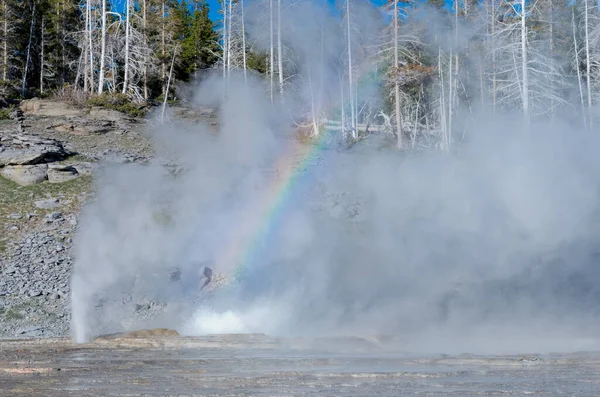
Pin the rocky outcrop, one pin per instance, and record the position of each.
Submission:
(41, 107)
(58, 173)
(28, 159)
(25, 175)
(24, 149)
(83, 126)
(67, 118)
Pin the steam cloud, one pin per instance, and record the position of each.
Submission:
(496, 239)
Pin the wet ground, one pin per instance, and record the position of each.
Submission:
(249, 365)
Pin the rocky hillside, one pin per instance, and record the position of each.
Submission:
(47, 154)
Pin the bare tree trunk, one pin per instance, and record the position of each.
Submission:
(494, 77)
(579, 83)
(78, 73)
(168, 86)
(279, 50)
(163, 49)
(343, 120)
(225, 39)
(588, 65)
(272, 60)
(243, 41)
(145, 67)
(60, 27)
(42, 58)
(552, 82)
(399, 144)
(448, 138)
(229, 38)
(28, 57)
(86, 83)
(524, 63)
(5, 46)
(90, 48)
(126, 71)
(442, 106)
(350, 80)
(102, 50)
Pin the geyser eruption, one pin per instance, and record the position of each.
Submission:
(319, 238)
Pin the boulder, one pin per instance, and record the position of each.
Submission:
(58, 173)
(25, 175)
(47, 203)
(24, 149)
(84, 168)
(41, 107)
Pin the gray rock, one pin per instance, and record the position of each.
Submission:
(48, 203)
(51, 217)
(41, 107)
(25, 175)
(84, 168)
(16, 115)
(25, 149)
(59, 174)
(34, 292)
(30, 331)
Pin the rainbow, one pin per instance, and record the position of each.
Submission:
(264, 214)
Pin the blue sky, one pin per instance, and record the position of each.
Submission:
(214, 6)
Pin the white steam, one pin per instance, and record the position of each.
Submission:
(500, 235)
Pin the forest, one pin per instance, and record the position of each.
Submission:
(421, 70)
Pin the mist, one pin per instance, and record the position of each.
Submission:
(488, 247)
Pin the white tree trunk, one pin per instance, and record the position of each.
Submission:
(350, 80)
(442, 107)
(163, 47)
(229, 37)
(28, 56)
(126, 72)
(42, 60)
(102, 49)
(524, 63)
(225, 40)
(494, 79)
(279, 51)
(271, 48)
(588, 64)
(164, 107)
(145, 67)
(244, 41)
(399, 143)
(343, 120)
(5, 46)
(448, 137)
(579, 83)
(90, 46)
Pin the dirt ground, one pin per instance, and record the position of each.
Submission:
(244, 365)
